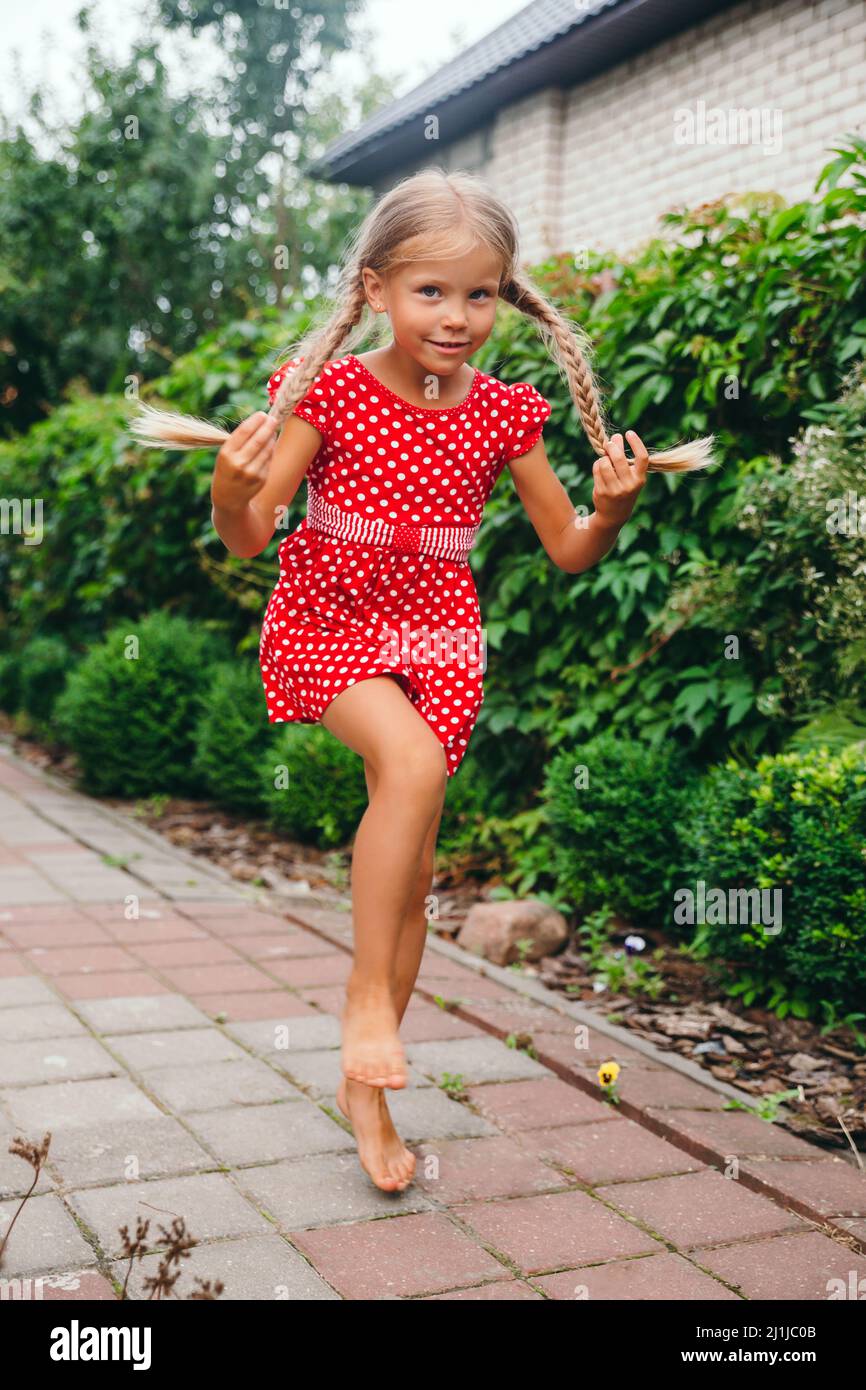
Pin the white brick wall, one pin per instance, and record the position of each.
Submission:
(596, 164)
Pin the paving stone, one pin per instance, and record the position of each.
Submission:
(320, 1072)
(616, 1150)
(464, 1170)
(330, 999)
(255, 1004)
(414, 1254)
(829, 1185)
(209, 1203)
(475, 1059)
(109, 984)
(592, 1050)
(522, 1014)
(75, 1286)
(252, 1267)
(323, 1189)
(290, 1128)
(13, 965)
(16, 1174)
(788, 1267)
(666, 1277)
(170, 953)
(658, 1088)
(126, 1150)
(208, 979)
(48, 1059)
(509, 1290)
(423, 1022)
(560, 1228)
(76, 1104)
(186, 1047)
(280, 945)
(430, 1114)
(306, 1034)
(78, 932)
(332, 968)
(142, 1013)
(24, 990)
(44, 1238)
(146, 929)
(730, 1132)
(245, 1082)
(856, 1227)
(520, 1105)
(697, 1209)
(88, 960)
(33, 1021)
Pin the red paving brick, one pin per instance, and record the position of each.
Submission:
(423, 1022)
(700, 1208)
(313, 970)
(241, 1008)
(12, 963)
(560, 1045)
(730, 1132)
(463, 1170)
(658, 1278)
(510, 1290)
(162, 953)
(561, 1229)
(616, 1151)
(67, 960)
(809, 1266)
(72, 934)
(399, 1256)
(115, 984)
(216, 979)
(518, 1105)
(830, 1185)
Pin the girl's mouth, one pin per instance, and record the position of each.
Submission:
(448, 347)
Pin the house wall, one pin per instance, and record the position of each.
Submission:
(596, 164)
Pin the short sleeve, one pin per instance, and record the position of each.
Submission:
(315, 407)
(529, 413)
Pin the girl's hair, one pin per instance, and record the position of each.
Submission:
(428, 215)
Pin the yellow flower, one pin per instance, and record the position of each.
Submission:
(607, 1073)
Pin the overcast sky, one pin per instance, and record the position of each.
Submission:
(43, 36)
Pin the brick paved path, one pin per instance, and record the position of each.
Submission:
(154, 1049)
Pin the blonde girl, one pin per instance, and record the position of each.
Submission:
(400, 449)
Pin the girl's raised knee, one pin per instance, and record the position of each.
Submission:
(421, 766)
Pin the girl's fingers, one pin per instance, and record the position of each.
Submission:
(615, 452)
(265, 433)
(640, 451)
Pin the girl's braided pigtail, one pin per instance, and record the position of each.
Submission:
(570, 346)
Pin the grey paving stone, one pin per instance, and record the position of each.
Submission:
(209, 1203)
(187, 1089)
(140, 1013)
(49, 1059)
(431, 1114)
(475, 1059)
(25, 989)
(322, 1190)
(16, 1174)
(320, 1072)
(173, 1047)
(254, 1268)
(264, 1036)
(126, 1150)
(28, 889)
(265, 1133)
(33, 1021)
(76, 1105)
(45, 1238)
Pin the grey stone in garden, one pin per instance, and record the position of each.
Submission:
(306, 1034)
(267, 1133)
(323, 1190)
(140, 1013)
(245, 1082)
(474, 1059)
(173, 1047)
(209, 1203)
(255, 1268)
(45, 1238)
(125, 1151)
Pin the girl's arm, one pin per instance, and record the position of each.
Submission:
(574, 542)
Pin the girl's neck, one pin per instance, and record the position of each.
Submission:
(408, 378)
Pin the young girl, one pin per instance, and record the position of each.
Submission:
(401, 448)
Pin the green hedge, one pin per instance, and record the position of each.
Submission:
(232, 737)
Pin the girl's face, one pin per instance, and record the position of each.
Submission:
(438, 302)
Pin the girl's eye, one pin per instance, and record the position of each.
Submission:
(436, 289)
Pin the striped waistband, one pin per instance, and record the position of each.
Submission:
(446, 542)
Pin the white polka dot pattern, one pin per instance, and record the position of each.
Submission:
(332, 616)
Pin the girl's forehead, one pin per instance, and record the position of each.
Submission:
(457, 271)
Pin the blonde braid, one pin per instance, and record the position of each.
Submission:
(323, 344)
(570, 346)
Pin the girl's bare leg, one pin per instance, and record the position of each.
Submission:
(376, 719)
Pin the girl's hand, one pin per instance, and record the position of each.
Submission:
(242, 463)
(618, 480)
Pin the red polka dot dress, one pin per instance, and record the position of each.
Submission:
(375, 579)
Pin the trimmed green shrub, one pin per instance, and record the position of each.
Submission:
(611, 806)
(797, 824)
(43, 668)
(10, 682)
(314, 786)
(233, 736)
(131, 706)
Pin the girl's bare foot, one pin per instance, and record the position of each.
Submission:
(383, 1155)
(372, 1051)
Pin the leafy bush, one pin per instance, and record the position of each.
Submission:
(130, 708)
(232, 737)
(314, 786)
(10, 682)
(611, 807)
(43, 667)
(797, 824)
